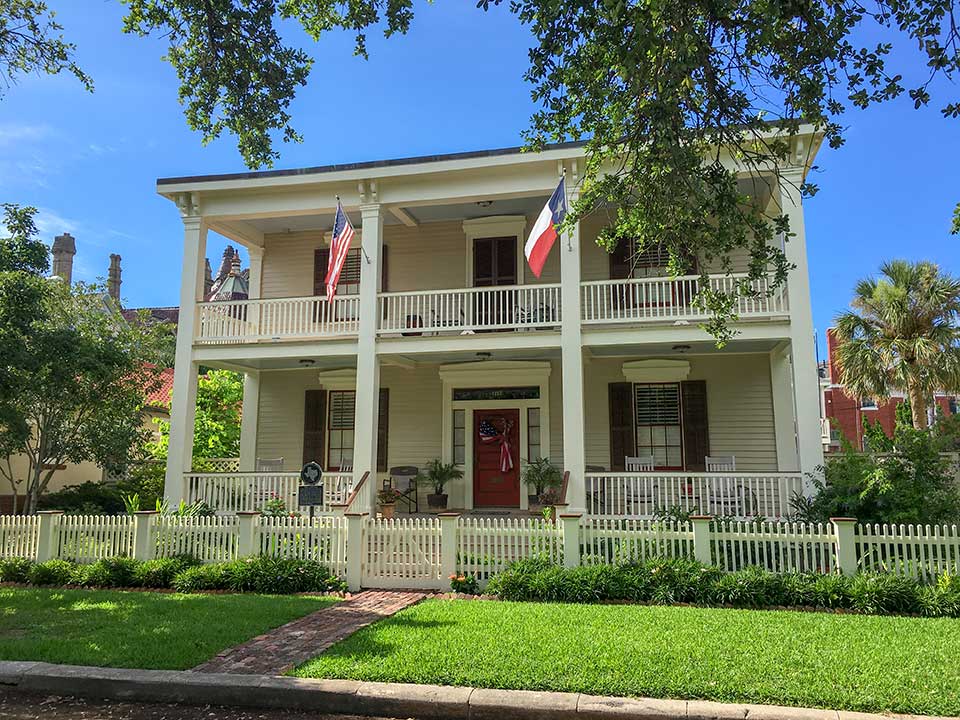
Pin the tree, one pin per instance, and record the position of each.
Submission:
(73, 373)
(673, 99)
(217, 424)
(31, 42)
(902, 334)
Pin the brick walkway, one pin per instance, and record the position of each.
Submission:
(282, 648)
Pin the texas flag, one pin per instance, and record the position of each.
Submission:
(544, 231)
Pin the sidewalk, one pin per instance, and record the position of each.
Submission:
(348, 697)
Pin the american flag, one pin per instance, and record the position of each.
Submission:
(489, 434)
(339, 247)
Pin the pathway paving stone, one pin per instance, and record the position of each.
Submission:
(285, 647)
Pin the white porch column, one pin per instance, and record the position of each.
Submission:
(368, 364)
(572, 368)
(249, 421)
(785, 429)
(183, 404)
(806, 383)
(254, 283)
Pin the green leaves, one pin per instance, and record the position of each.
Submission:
(31, 42)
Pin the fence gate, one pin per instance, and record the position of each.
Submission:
(401, 553)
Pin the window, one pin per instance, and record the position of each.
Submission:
(459, 437)
(952, 404)
(349, 283)
(868, 404)
(533, 434)
(507, 393)
(341, 422)
(658, 426)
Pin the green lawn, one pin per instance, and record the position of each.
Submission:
(853, 662)
(136, 629)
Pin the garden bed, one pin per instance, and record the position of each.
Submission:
(852, 662)
(111, 628)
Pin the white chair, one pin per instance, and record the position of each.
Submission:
(639, 494)
(721, 463)
(270, 464)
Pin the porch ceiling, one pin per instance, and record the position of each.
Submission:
(472, 356)
(695, 348)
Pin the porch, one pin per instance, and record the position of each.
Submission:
(705, 432)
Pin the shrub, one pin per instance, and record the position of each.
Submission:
(755, 587)
(514, 583)
(52, 572)
(160, 572)
(941, 599)
(16, 570)
(89, 498)
(108, 572)
(280, 576)
(879, 594)
(201, 577)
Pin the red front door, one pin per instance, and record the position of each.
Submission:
(492, 486)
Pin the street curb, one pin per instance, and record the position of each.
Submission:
(350, 697)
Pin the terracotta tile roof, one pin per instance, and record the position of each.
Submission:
(160, 398)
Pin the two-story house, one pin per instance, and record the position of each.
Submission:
(440, 343)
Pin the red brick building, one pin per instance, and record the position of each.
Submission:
(846, 413)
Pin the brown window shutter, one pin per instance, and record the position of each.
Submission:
(696, 434)
(383, 429)
(384, 267)
(321, 257)
(314, 426)
(620, 261)
(622, 439)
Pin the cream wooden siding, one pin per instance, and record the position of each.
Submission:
(739, 398)
(739, 408)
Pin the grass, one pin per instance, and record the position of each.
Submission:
(136, 629)
(852, 662)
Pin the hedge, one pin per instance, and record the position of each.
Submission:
(267, 575)
(670, 581)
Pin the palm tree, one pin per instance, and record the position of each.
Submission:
(902, 334)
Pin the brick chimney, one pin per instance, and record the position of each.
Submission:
(64, 248)
(113, 277)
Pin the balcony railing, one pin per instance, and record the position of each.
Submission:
(238, 321)
(666, 299)
(233, 492)
(643, 495)
(512, 307)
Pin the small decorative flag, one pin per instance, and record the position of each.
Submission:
(339, 247)
(490, 435)
(544, 232)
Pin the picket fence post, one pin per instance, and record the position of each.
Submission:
(570, 524)
(247, 522)
(355, 524)
(47, 534)
(144, 546)
(845, 531)
(701, 538)
(448, 545)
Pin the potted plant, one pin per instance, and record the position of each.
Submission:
(388, 501)
(437, 475)
(542, 477)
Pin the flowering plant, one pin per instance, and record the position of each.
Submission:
(466, 584)
(389, 496)
(274, 507)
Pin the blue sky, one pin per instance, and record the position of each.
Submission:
(90, 162)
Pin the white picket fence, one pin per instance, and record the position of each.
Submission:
(607, 541)
(485, 546)
(425, 552)
(18, 535)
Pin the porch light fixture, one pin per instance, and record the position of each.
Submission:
(681, 348)
(484, 203)
(307, 362)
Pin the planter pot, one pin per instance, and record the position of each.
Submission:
(387, 511)
(437, 501)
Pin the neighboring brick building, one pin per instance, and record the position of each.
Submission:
(846, 413)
